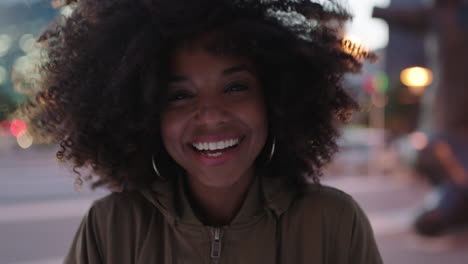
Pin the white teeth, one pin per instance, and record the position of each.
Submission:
(216, 145)
(217, 154)
(212, 146)
(220, 145)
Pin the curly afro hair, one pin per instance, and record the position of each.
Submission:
(105, 77)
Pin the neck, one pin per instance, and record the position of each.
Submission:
(217, 206)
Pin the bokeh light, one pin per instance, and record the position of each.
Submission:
(373, 32)
(5, 129)
(368, 84)
(17, 128)
(66, 11)
(5, 44)
(354, 47)
(25, 72)
(416, 78)
(26, 43)
(417, 90)
(21, 63)
(419, 140)
(376, 83)
(353, 38)
(25, 140)
(381, 82)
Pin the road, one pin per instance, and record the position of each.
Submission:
(40, 211)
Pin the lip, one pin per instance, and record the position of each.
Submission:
(223, 158)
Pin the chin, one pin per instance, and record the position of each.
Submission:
(219, 179)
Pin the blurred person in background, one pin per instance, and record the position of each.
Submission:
(445, 114)
(211, 120)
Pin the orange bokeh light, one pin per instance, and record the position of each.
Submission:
(416, 78)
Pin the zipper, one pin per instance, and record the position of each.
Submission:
(216, 243)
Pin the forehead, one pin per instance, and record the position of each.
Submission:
(200, 54)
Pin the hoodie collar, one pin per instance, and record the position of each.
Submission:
(170, 197)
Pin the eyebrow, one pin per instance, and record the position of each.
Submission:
(236, 69)
(229, 71)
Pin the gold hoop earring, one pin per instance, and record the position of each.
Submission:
(156, 169)
(272, 152)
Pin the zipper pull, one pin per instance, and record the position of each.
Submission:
(217, 235)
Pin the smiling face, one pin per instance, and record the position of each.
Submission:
(215, 123)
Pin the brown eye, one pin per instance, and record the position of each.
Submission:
(178, 96)
(237, 87)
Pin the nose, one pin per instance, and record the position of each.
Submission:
(211, 112)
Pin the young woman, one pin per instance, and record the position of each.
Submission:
(211, 120)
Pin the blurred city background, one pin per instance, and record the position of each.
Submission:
(40, 210)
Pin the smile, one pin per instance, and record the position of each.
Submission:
(215, 149)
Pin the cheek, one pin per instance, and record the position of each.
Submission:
(257, 117)
(171, 131)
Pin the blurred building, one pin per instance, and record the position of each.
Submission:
(405, 49)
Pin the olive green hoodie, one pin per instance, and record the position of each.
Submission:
(323, 226)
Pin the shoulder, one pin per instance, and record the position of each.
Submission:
(324, 192)
(339, 221)
(111, 228)
(116, 200)
(327, 198)
(328, 207)
(118, 208)
(338, 212)
(332, 220)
